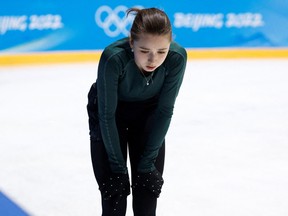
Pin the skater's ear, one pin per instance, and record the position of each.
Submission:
(131, 42)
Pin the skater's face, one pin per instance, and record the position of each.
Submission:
(150, 51)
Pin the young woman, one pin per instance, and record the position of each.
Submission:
(130, 108)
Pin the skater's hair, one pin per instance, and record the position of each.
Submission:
(150, 21)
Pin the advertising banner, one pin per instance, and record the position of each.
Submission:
(50, 25)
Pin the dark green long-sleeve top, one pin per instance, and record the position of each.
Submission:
(119, 78)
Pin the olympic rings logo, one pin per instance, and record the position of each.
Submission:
(114, 22)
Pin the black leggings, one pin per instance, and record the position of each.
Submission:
(144, 204)
(131, 120)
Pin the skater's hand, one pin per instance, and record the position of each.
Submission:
(152, 181)
(117, 186)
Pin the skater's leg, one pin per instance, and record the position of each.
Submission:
(144, 202)
(136, 115)
(100, 162)
(102, 173)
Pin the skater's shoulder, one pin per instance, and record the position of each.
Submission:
(120, 47)
(178, 50)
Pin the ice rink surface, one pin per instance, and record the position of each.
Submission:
(227, 147)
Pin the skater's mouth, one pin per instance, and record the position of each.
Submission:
(151, 68)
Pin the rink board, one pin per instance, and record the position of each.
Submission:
(70, 57)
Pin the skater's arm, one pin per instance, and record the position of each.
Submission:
(107, 86)
(158, 124)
